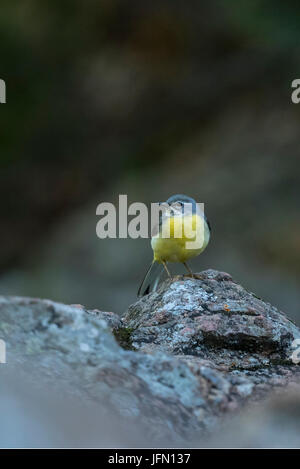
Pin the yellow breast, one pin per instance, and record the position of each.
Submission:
(180, 238)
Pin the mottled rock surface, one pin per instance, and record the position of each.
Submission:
(213, 318)
(191, 353)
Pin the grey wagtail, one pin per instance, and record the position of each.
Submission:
(181, 222)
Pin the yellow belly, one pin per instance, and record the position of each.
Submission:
(175, 248)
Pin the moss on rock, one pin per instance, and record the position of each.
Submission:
(123, 336)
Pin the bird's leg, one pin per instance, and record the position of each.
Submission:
(166, 269)
(188, 269)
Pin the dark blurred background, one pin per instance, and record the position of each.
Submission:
(148, 99)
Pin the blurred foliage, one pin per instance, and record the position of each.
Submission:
(269, 23)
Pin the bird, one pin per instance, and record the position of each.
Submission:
(179, 223)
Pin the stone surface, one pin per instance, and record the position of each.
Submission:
(214, 318)
(274, 423)
(192, 353)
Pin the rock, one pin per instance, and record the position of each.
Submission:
(112, 319)
(192, 353)
(73, 348)
(214, 318)
(273, 424)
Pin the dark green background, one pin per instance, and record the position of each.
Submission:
(147, 99)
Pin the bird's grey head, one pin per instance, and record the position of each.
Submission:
(185, 199)
(180, 200)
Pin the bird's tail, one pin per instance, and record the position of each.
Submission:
(151, 279)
